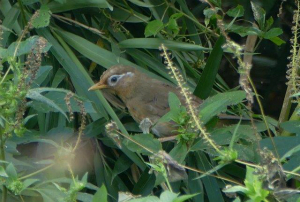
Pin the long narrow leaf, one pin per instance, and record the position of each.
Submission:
(155, 43)
(209, 74)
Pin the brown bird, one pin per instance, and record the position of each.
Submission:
(145, 98)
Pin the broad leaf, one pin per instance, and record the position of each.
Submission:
(101, 195)
(42, 19)
(23, 47)
(143, 143)
(259, 14)
(236, 12)
(153, 28)
(219, 103)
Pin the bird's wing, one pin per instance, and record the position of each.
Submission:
(113, 99)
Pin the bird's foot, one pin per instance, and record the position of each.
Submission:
(145, 125)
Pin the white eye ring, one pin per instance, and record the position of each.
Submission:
(114, 79)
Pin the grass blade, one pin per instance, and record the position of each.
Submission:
(207, 79)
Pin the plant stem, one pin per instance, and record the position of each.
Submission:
(286, 106)
(22, 11)
(2, 156)
(197, 23)
(37, 172)
(263, 115)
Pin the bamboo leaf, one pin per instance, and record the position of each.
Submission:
(155, 43)
(207, 79)
(57, 7)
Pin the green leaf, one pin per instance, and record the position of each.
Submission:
(207, 79)
(125, 16)
(61, 1)
(145, 184)
(84, 197)
(179, 152)
(291, 126)
(35, 95)
(168, 196)
(194, 186)
(29, 2)
(60, 75)
(2, 172)
(242, 30)
(173, 27)
(24, 47)
(216, 2)
(176, 16)
(153, 28)
(155, 43)
(184, 197)
(259, 14)
(208, 12)
(85, 178)
(43, 17)
(254, 185)
(219, 103)
(223, 136)
(284, 145)
(29, 182)
(278, 41)
(57, 7)
(99, 55)
(146, 199)
(10, 22)
(101, 195)
(269, 23)
(141, 3)
(273, 33)
(172, 24)
(174, 102)
(121, 165)
(144, 141)
(41, 75)
(290, 153)
(176, 110)
(236, 12)
(59, 99)
(11, 172)
(211, 186)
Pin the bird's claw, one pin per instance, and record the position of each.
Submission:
(145, 125)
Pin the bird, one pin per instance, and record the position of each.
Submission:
(146, 98)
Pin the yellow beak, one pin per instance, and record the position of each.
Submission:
(98, 86)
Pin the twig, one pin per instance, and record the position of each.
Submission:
(78, 23)
(37, 172)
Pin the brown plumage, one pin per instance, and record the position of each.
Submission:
(144, 97)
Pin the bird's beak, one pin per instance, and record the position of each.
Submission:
(98, 86)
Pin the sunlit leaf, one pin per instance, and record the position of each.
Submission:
(101, 195)
(153, 28)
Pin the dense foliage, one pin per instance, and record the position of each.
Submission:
(60, 142)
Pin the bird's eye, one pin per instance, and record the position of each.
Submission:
(114, 79)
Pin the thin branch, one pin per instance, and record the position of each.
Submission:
(62, 18)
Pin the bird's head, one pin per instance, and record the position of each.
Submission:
(117, 78)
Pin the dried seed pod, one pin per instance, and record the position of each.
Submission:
(111, 130)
